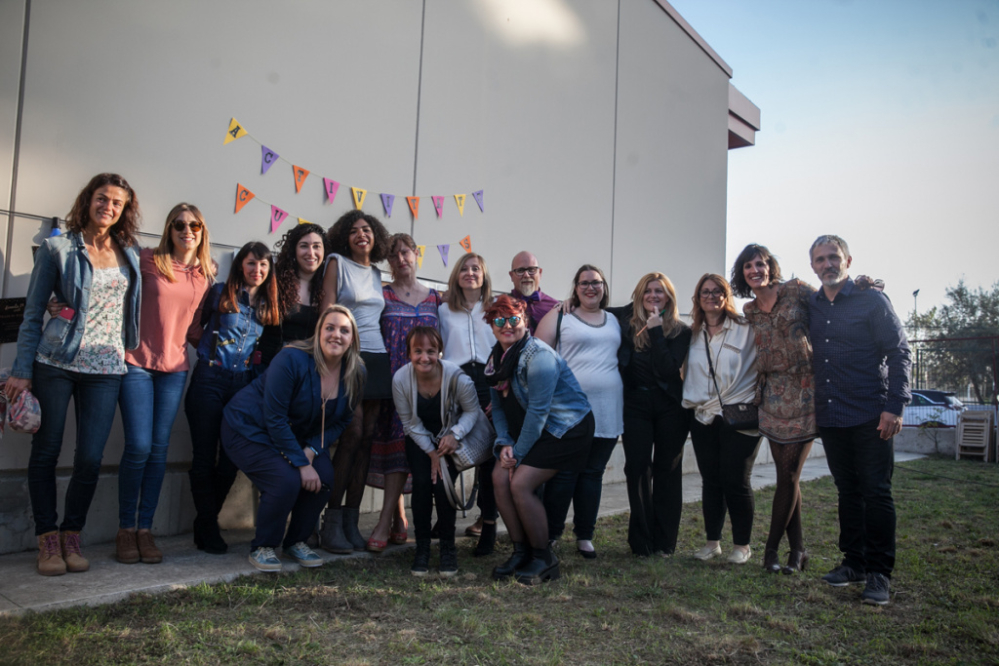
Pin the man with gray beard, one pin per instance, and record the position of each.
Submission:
(526, 276)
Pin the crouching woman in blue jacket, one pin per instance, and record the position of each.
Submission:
(279, 428)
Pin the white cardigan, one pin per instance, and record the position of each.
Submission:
(405, 393)
(733, 352)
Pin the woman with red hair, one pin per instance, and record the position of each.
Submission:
(543, 425)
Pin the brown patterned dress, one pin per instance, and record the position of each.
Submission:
(784, 361)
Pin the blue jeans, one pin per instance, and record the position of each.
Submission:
(94, 398)
(149, 402)
(582, 489)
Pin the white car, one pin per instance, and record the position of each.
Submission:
(932, 409)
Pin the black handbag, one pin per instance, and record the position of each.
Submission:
(740, 415)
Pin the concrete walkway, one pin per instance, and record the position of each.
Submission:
(21, 589)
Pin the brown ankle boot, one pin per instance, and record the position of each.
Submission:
(50, 562)
(148, 551)
(75, 561)
(125, 549)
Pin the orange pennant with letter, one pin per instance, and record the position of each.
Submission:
(243, 196)
(466, 243)
(460, 200)
(414, 206)
(300, 176)
(234, 132)
(358, 195)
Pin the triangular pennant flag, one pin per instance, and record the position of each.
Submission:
(303, 221)
(300, 176)
(358, 194)
(243, 196)
(466, 243)
(420, 250)
(443, 249)
(478, 200)
(387, 201)
(331, 186)
(267, 158)
(234, 132)
(414, 206)
(460, 200)
(277, 217)
(439, 206)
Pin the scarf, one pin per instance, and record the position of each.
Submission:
(502, 364)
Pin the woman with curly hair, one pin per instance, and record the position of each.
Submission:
(80, 353)
(356, 242)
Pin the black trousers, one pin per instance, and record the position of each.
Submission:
(725, 459)
(426, 494)
(486, 500)
(655, 431)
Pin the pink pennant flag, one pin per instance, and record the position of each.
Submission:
(387, 201)
(267, 158)
(478, 200)
(331, 186)
(439, 205)
(443, 249)
(277, 217)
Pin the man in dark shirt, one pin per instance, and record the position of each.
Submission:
(862, 363)
(526, 276)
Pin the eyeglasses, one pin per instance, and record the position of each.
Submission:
(592, 284)
(530, 270)
(714, 293)
(500, 322)
(179, 225)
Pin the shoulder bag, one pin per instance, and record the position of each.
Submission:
(474, 448)
(740, 415)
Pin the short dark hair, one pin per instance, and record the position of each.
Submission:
(125, 229)
(338, 237)
(426, 332)
(739, 285)
(829, 239)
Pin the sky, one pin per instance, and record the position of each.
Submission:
(880, 123)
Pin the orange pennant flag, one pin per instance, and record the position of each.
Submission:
(358, 195)
(414, 206)
(243, 196)
(466, 243)
(234, 132)
(300, 176)
(460, 200)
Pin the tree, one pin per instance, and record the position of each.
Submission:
(950, 363)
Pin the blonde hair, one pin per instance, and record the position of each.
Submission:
(163, 254)
(639, 317)
(697, 314)
(351, 363)
(455, 296)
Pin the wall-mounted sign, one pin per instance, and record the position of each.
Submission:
(11, 316)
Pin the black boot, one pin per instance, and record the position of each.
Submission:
(541, 569)
(487, 539)
(421, 560)
(521, 556)
(207, 536)
(449, 558)
(350, 516)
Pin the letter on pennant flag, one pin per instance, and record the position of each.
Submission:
(300, 176)
(243, 196)
(358, 194)
(439, 206)
(420, 250)
(303, 221)
(466, 243)
(460, 200)
(234, 132)
(331, 186)
(267, 159)
(387, 201)
(478, 200)
(414, 206)
(443, 249)
(277, 217)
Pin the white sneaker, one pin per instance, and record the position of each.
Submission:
(740, 556)
(707, 552)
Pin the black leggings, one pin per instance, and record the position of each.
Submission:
(353, 455)
(426, 494)
(786, 516)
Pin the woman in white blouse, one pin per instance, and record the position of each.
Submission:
(468, 341)
(725, 456)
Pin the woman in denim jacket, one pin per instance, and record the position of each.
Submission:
(94, 268)
(543, 425)
(225, 331)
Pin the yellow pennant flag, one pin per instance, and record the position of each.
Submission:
(460, 200)
(303, 221)
(358, 195)
(234, 132)
(420, 250)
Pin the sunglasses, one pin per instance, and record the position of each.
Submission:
(500, 322)
(179, 225)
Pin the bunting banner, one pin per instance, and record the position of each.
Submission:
(438, 206)
(420, 250)
(443, 249)
(460, 200)
(300, 176)
(303, 221)
(414, 206)
(234, 132)
(331, 186)
(478, 200)
(243, 197)
(277, 217)
(358, 195)
(387, 201)
(466, 243)
(267, 159)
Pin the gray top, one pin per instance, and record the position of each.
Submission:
(360, 289)
(591, 352)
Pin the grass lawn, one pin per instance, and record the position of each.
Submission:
(617, 609)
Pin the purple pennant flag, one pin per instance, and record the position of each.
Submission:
(478, 200)
(331, 186)
(277, 217)
(443, 249)
(387, 201)
(267, 158)
(439, 205)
